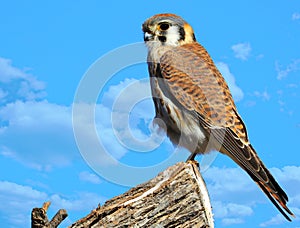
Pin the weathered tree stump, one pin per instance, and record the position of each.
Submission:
(177, 197)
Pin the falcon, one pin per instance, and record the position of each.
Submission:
(193, 103)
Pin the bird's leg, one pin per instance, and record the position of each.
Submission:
(191, 157)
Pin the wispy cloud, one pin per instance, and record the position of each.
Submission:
(295, 16)
(284, 71)
(292, 86)
(250, 103)
(241, 50)
(3, 94)
(9, 72)
(260, 56)
(231, 213)
(264, 95)
(236, 91)
(89, 177)
(78, 202)
(227, 188)
(20, 199)
(18, 84)
(279, 219)
(123, 118)
(232, 221)
(235, 196)
(43, 131)
(276, 220)
(130, 101)
(222, 184)
(288, 95)
(46, 133)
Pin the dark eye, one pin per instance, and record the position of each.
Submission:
(164, 26)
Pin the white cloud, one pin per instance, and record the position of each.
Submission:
(232, 221)
(261, 95)
(287, 173)
(132, 112)
(241, 50)
(8, 72)
(123, 118)
(21, 199)
(222, 210)
(260, 56)
(265, 96)
(78, 202)
(45, 135)
(3, 94)
(231, 184)
(279, 219)
(288, 95)
(43, 132)
(14, 189)
(289, 177)
(89, 177)
(236, 91)
(276, 220)
(17, 202)
(295, 16)
(292, 86)
(18, 84)
(250, 103)
(234, 195)
(85, 132)
(283, 72)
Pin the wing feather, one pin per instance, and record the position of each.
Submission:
(193, 81)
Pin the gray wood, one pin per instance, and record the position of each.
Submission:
(39, 218)
(176, 197)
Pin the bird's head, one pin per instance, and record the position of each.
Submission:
(167, 30)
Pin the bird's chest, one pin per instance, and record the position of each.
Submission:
(164, 106)
(181, 126)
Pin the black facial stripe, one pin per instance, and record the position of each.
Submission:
(194, 38)
(162, 38)
(181, 33)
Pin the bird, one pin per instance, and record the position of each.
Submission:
(194, 105)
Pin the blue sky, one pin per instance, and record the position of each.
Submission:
(47, 50)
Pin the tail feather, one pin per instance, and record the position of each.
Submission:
(246, 157)
(274, 197)
(270, 187)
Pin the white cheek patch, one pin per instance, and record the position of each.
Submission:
(172, 36)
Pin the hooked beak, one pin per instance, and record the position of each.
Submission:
(148, 36)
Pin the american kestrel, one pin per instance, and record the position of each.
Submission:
(194, 104)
